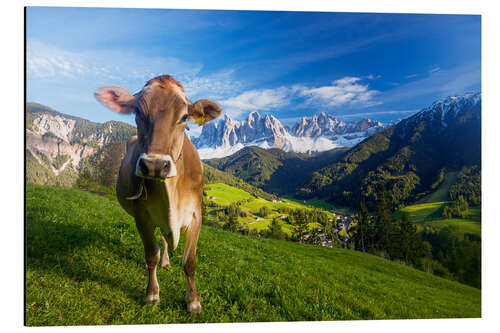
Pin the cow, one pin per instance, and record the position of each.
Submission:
(160, 182)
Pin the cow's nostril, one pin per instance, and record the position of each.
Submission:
(143, 167)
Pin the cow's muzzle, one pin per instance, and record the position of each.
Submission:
(155, 166)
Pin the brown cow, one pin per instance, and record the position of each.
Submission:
(161, 177)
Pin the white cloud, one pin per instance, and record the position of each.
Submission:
(435, 69)
(215, 86)
(411, 76)
(50, 63)
(254, 100)
(46, 63)
(343, 91)
(347, 91)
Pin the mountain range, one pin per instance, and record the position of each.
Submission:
(311, 134)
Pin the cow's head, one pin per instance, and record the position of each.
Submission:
(161, 112)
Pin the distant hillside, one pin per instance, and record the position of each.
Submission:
(60, 146)
(274, 170)
(212, 175)
(407, 158)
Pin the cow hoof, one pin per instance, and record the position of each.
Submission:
(165, 265)
(194, 307)
(152, 300)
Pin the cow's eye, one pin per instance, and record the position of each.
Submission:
(184, 118)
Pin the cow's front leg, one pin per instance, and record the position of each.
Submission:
(189, 264)
(165, 261)
(152, 252)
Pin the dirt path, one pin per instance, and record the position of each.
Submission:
(248, 223)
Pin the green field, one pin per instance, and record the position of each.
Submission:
(318, 203)
(430, 212)
(85, 266)
(421, 213)
(225, 194)
(262, 225)
(441, 193)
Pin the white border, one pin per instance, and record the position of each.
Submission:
(12, 162)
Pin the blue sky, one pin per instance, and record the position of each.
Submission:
(289, 64)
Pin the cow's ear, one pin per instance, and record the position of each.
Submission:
(116, 98)
(203, 111)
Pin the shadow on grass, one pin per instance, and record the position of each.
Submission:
(61, 247)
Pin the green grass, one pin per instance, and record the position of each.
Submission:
(225, 194)
(463, 225)
(256, 204)
(429, 214)
(85, 266)
(262, 225)
(317, 203)
(421, 213)
(320, 204)
(441, 194)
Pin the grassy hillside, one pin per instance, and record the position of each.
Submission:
(212, 175)
(85, 266)
(36, 172)
(430, 212)
(224, 194)
(442, 192)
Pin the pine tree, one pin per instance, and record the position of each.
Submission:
(231, 223)
(362, 229)
(330, 228)
(300, 226)
(407, 246)
(275, 230)
(384, 223)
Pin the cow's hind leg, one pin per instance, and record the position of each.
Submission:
(165, 261)
(189, 263)
(152, 252)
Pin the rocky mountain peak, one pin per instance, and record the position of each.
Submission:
(324, 124)
(447, 110)
(253, 117)
(316, 133)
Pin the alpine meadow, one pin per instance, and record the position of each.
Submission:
(332, 177)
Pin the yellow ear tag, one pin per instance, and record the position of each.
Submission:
(200, 121)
